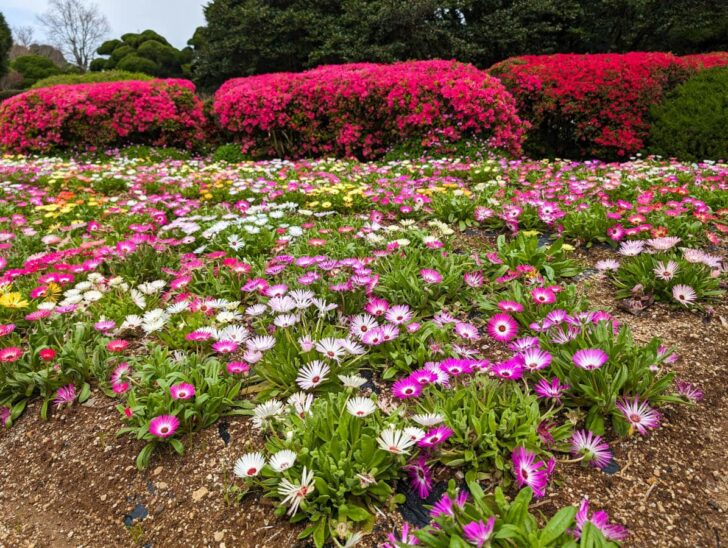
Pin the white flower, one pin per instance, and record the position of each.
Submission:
(414, 433)
(286, 320)
(428, 419)
(331, 348)
(301, 402)
(282, 460)
(352, 381)
(265, 411)
(261, 343)
(256, 310)
(138, 298)
(249, 465)
(92, 296)
(394, 441)
(312, 375)
(360, 407)
(295, 493)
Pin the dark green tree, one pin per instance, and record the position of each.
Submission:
(6, 42)
(34, 68)
(146, 52)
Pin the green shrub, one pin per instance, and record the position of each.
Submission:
(691, 123)
(34, 68)
(230, 153)
(90, 78)
(8, 93)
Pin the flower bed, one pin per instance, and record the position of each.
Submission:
(365, 109)
(94, 116)
(589, 105)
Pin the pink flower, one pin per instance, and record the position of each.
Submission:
(65, 395)
(237, 367)
(163, 426)
(117, 345)
(182, 391)
(502, 327)
(10, 354)
(528, 471)
(430, 276)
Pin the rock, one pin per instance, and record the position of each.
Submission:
(199, 494)
(218, 536)
(157, 470)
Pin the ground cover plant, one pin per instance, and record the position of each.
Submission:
(385, 332)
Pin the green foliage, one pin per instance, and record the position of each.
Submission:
(690, 124)
(230, 153)
(147, 52)
(489, 419)
(6, 42)
(8, 93)
(90, 78)
(34, 68)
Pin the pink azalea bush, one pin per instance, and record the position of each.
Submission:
(157, 112)
(364, 109)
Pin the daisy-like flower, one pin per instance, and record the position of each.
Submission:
(543, 295)
(377, 307)
(182, 391)
(10, 354)
(282, 460)
(502, 327)
(398, 314)
(406, 388)
(352, 381)
(237, 368)
(428, 419)
(639, 415)
(523, 343)
(117, 345)
(311, 375)
(163, 426)
(301, 403)
(478, 533)
(528, 471)
(552, 389)
(435, 436)
(688, 391)
(684, 294)
(664, 243)
(249, 465)
(360, 407)
(467, 331)
(265, 411)
(600, 520)
(261, 343)
(534, 358)
(331, 348)
(362, 324)
(414, 433)
(473, 279)
(404, 539)
(667, 271)
(225, 347)
(420, 477)
(394, 441)
(591, 447)
(65, 395)
(590, 359)
(510, 306)
(631, 248)
(430, 276)
(509, 369)
(295, 493)
(607, 264)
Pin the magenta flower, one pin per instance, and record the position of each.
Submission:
(639, 415)
(477, 532)
(163, 426)
(534, 358)
(543, 295)
(591, 447)
(600, 520)
(511, 369)
(510, 306)
(689, 391)
(430, 276)
(590, 359)
(182, 391)
(420, 477)
(435, 436)
(502, 327)
(405, 538)
(552, 389)
(65, 395)
(237, 367)
(406, 388)
(10, 354)
(225, 347)
(528, 471)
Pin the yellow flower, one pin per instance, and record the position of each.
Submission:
(567, 247)
(13, 300)
(530, 233)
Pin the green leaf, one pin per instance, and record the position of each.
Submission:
(558, 525)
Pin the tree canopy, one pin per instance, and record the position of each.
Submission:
(6, 42)
(245, 37)
(146, 52)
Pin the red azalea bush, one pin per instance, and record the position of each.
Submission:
(589, 105)
(706, 60)
(155, 112)
(365, 109)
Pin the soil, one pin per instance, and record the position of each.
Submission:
(69, 482)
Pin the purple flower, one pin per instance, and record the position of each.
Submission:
(65, 395)
(591, 448)
(639, 415)
(590, 358)
(600, 520)
(552, 389)
(435, 436)
(477, 532)
(528, 471)
(163, 426)
(406, 388)
(420, 477)
(182, 391)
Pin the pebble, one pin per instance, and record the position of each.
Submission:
(199, 494)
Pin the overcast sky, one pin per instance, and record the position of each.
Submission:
(176, 20)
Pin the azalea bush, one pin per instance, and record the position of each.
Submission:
(364, 109)
(589, 105)
(157, 112)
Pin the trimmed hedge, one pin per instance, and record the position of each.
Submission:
(692, 122)
(90, 78)
(589, 105)
(91, 116)
(363, 110)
